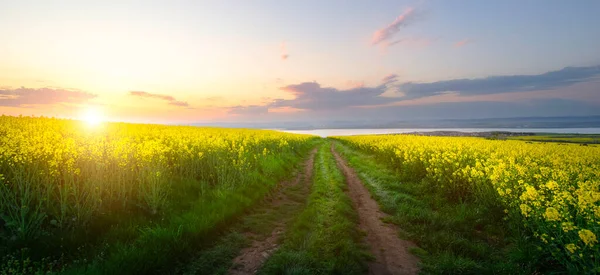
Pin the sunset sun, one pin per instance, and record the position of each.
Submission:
(92, 116)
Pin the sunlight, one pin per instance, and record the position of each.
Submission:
(93, 116)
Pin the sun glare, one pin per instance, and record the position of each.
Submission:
(93, 117)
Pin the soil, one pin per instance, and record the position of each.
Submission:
(391, 253)
(253, 257)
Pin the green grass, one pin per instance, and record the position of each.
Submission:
(454, 237)
(324, 238)
(257, 223)
(154, 247)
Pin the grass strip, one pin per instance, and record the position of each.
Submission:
(324, 238)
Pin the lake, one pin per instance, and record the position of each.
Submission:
(350, 132)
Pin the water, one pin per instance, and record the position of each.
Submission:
(350, 132)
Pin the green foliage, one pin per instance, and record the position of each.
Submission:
(324, 238)
(259, 223)
(550, 193)
(454, 237)
(129, 198)
(18, 263)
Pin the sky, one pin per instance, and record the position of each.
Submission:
(209, 61)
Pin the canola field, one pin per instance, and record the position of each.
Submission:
(551, 190)
(120, 198)
(65, 185)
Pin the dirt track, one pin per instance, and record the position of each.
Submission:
(252, 258)
(391, 253)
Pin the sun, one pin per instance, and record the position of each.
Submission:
(93, 116)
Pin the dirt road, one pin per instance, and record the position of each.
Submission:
(252, 258)
(391, 253)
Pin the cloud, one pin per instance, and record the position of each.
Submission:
(381, 115)
(170, 99)
(179, 103)
(384, 34)
(248, 110)
(311, 96)
(355, 84)
(28, 96)
(390, 78)
(284, 52)
(462, 43)
(500, 84)
(417, 42)
(551, 93)
(479, 109)
(157, 96)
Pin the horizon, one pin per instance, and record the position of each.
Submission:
(270, 62)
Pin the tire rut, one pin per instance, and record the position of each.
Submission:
(391, 253)
(252, 258)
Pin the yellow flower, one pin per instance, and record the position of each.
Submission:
(588, 237)
(525, 209)
(552, 214)
(529, 194)
(571, 247)
(551, 185)
(568, 226)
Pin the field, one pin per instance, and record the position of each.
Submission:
(561, 138)
(150, 199)
(547, 192)
(130, 196)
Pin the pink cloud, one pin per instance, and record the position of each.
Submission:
(43, 96)
(170, 99)
(388, 32)
(462, 43)
(157, 96)
(355, 84)
(411, 42)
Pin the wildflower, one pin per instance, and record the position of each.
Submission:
(529, 194)
(568, 226)
(588, 237)
(571, 247)
(552, 214)
(525, 209)
(551, 185)
(543, 237)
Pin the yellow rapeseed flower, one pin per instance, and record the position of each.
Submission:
(525, 209)
(571, 247)
(552, 214)
(529, 194)
(551, 185)
(588, 237)
(568, 226)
